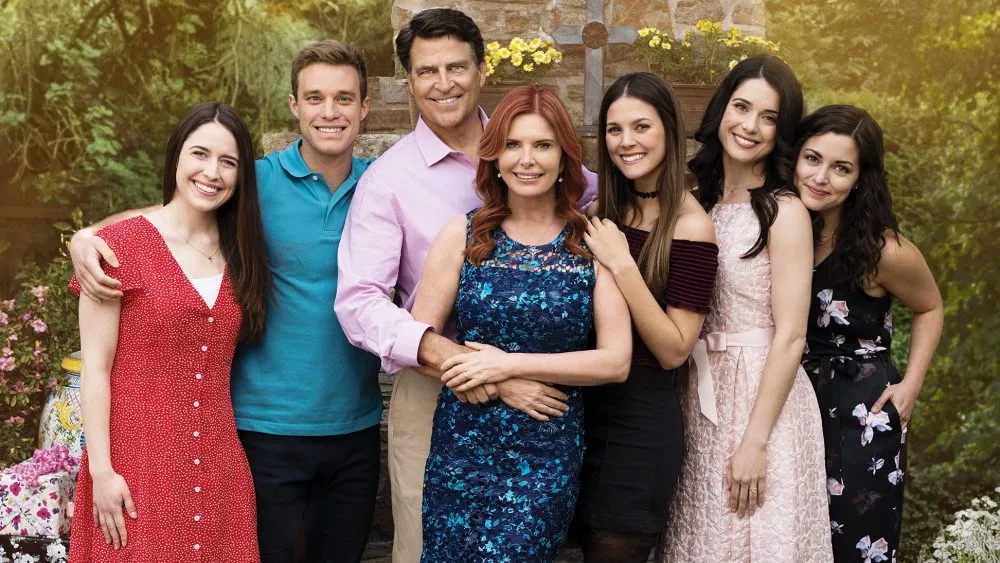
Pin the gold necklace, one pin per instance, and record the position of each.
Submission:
(210, 257)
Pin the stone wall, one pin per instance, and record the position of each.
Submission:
(501, 21)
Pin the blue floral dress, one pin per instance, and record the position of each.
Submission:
(500, 486)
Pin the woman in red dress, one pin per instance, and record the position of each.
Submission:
(163, 476)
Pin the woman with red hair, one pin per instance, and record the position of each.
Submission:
(501, 484)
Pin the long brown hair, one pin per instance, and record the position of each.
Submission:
(493, 191)
(615, 200)
(241, 231)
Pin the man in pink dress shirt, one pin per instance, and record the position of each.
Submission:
(400, 204)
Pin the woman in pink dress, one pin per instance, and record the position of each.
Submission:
(752, 486)
(163, 475)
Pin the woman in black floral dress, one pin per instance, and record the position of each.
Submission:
(861, 263)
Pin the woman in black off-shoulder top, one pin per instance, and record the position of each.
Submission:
(660, 245)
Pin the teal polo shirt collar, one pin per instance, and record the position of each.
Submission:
(291, 160)
(295, 166)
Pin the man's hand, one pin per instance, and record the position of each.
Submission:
(86, 250)
(479, 395)
(538, 400)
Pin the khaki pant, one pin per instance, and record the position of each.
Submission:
(411, 418)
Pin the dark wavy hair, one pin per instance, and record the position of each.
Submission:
(493, 191)
(241, 231)
(439, 22)
(866, 216)
(706, 165)
(615, 198)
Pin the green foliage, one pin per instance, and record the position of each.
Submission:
(89, 93)
(929, 79)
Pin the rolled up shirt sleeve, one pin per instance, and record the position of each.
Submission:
(368, 268)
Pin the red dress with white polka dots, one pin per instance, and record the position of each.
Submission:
(173, 433)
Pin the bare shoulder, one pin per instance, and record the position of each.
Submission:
(790, 210)
(452, 235)
(899, 255)
(693, 223)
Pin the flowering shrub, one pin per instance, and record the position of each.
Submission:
(703, 56)
(37, 327)
(520, 59)
(973, 538)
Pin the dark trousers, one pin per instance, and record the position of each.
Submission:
(324, 484)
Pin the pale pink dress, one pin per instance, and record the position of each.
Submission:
(794, 523)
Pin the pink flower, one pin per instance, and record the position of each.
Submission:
(15, 489)
(3, 319)
(836, 310)
(38, 325)
(15, 420)
(12, 337)
(43, 513)
(873, 552)
(7, 363)
(871, 422)
(834, 487)
(26, 317)
(39, 292)
(7, 305)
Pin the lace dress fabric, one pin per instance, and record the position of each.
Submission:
(499, 485)
(793, 524)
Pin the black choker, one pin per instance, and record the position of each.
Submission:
(644, 195)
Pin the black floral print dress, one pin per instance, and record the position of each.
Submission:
(847, 359)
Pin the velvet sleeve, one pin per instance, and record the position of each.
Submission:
(691, 281)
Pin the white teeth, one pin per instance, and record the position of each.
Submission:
(744, 142)
(211, 190)
(632, 157)
(528, 176)
(330, 129)
(446, 100)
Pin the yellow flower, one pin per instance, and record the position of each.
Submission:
(535, 44)
(704, 26)
(518, 44)
(503, 53)
(539, 57)
(654, 41)
(490, 69)
(644, 32)
(665, 45)
(528, 67)
(732, 64)
(686, 43)
(516, 59)
(492, 46)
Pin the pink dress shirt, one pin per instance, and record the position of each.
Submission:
(401, 202)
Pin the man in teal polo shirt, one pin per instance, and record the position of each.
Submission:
(307, 402)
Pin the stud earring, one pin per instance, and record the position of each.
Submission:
(498, 175)
(560, 179)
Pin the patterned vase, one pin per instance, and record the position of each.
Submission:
(62, 420)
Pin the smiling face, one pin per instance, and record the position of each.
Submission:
(636, 140)
(749, 125)
(826, 171)
(207, 168)
(445, 81)
(531, 160)
(329, 109)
